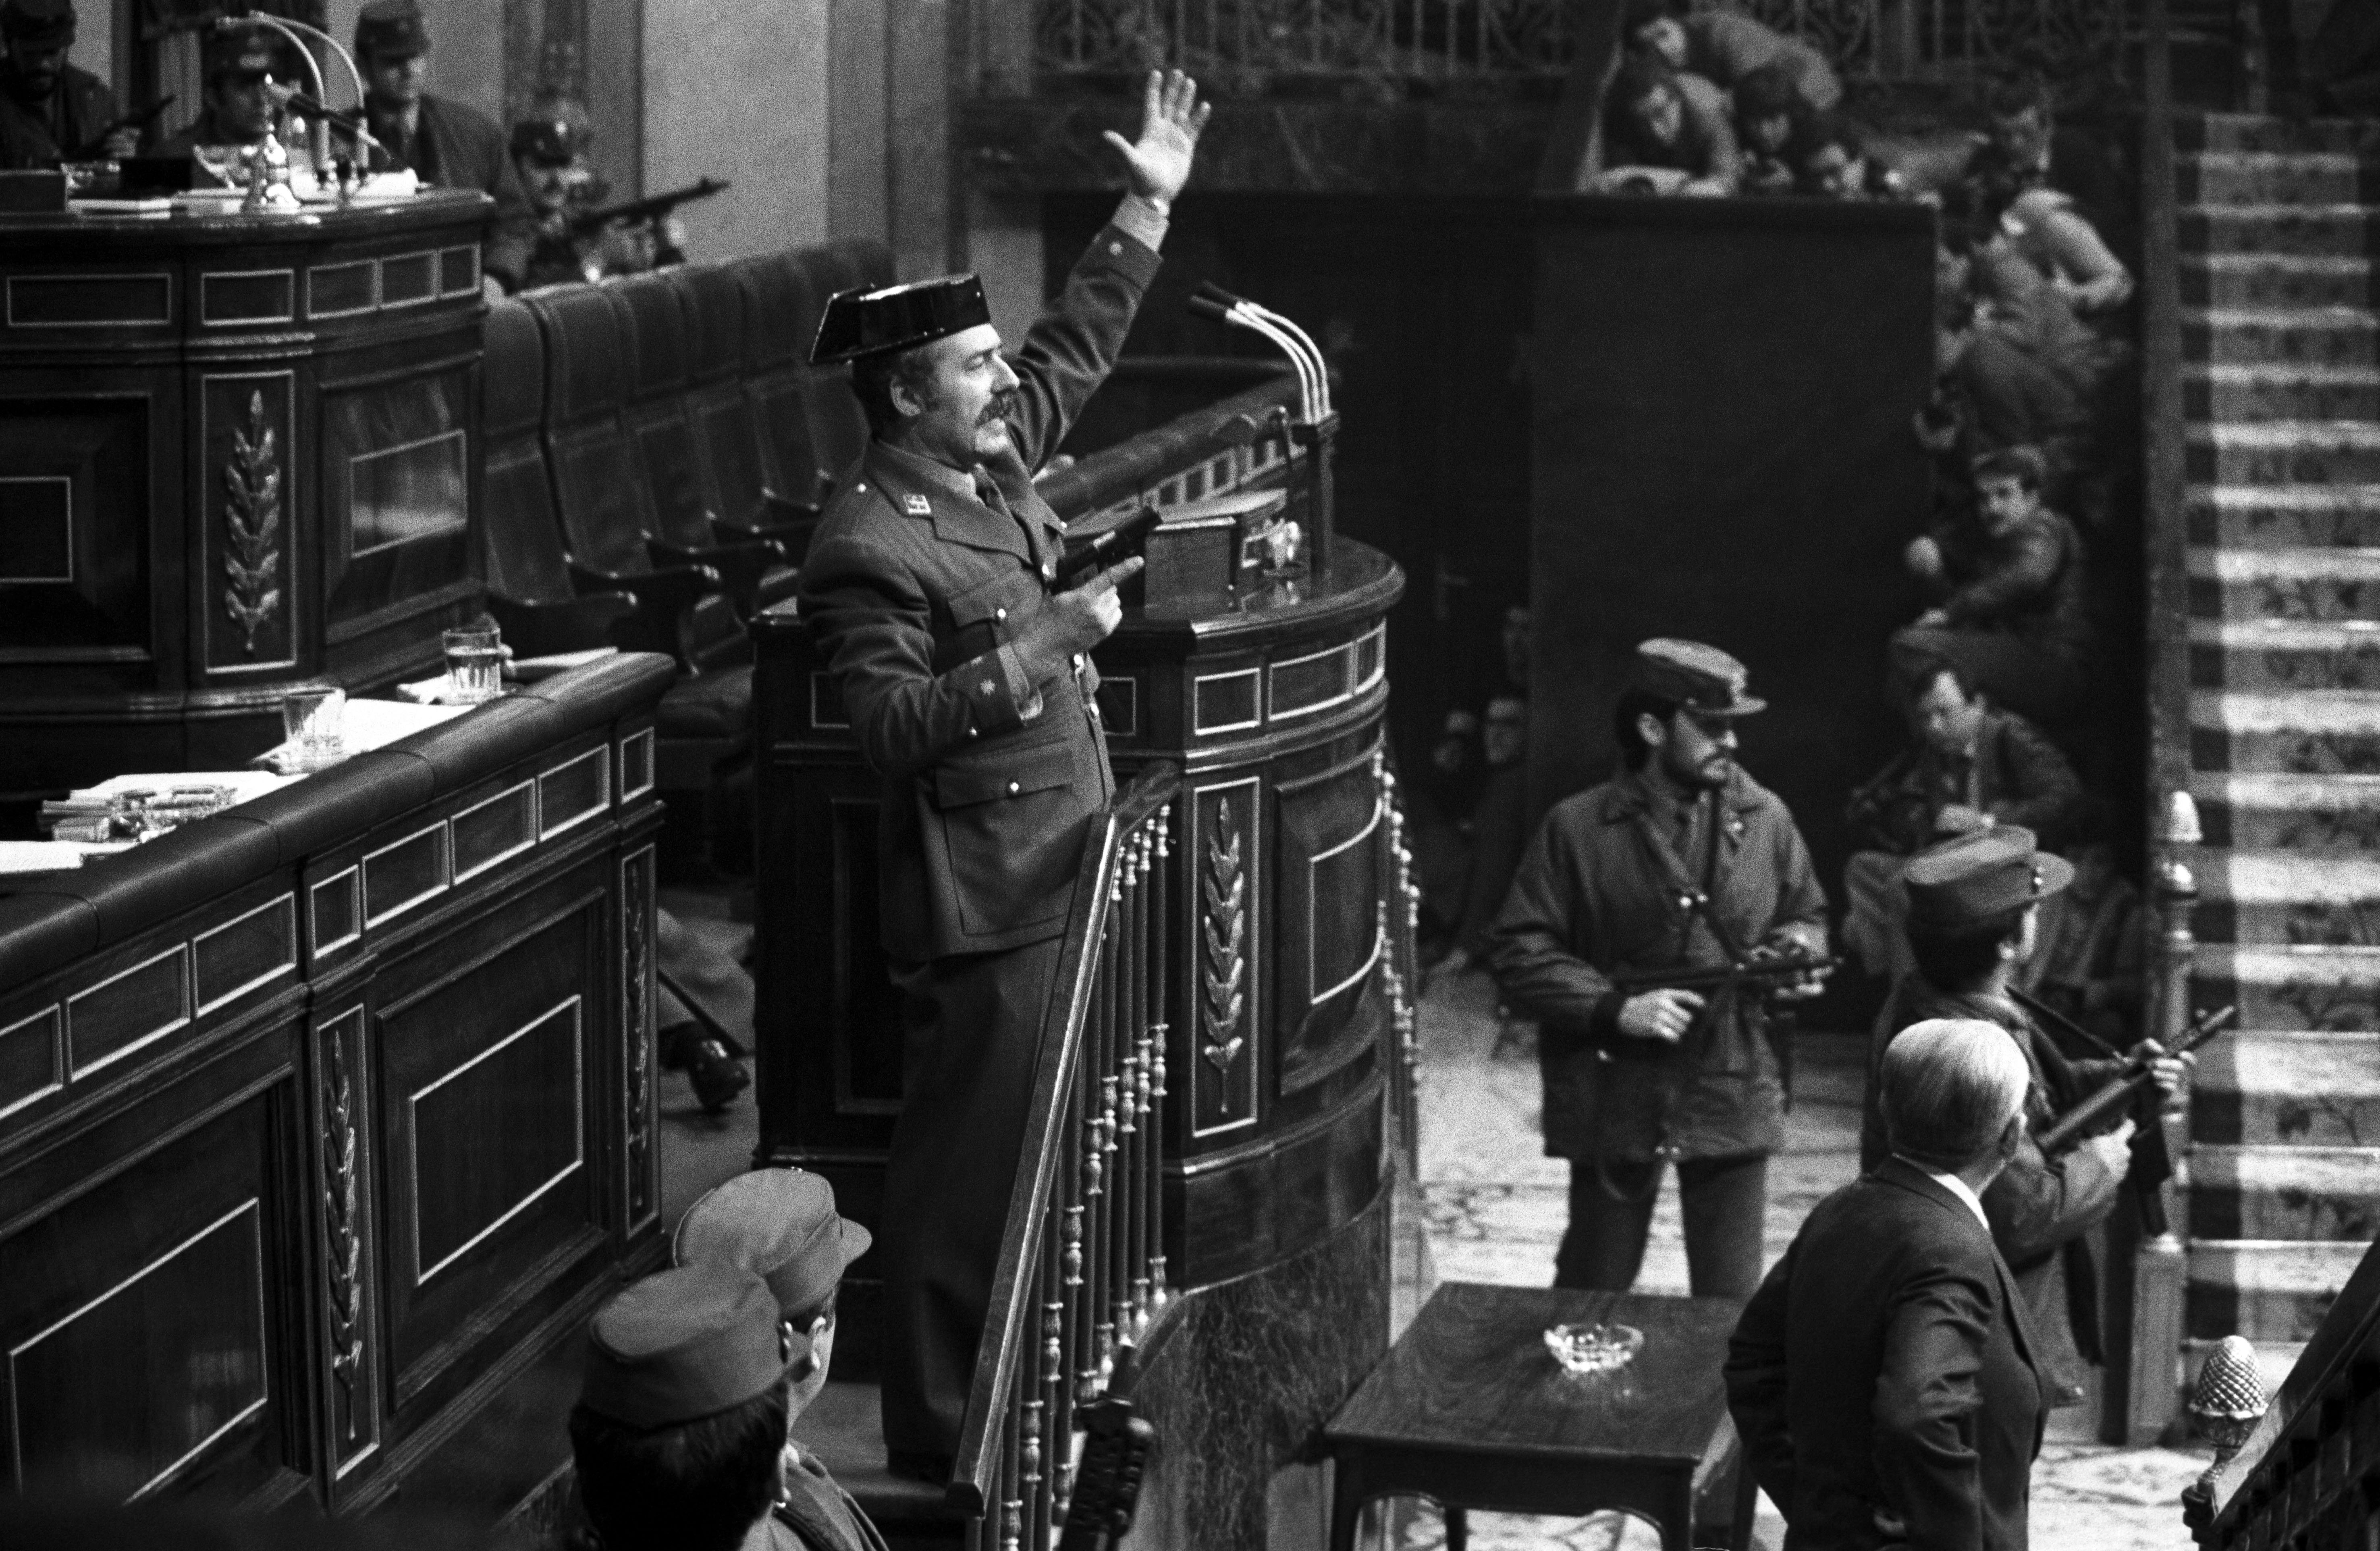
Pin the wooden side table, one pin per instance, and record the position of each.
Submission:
(1471, 1409)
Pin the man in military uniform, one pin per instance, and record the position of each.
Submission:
(781, 1224)
(442, 141)
(548, 154)
(242, 102)
(1662, 1075)
(969, 688)
(679, 1433)
(1973, 914)
(50, 111)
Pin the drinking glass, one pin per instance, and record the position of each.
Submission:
(474, 663)
(314, 722)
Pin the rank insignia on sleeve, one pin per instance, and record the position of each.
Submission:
(917, 505)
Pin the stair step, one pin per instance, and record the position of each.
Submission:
(2271, 812)
(2336, 231)
(2261, 133)
(2293, 1087)
(2280, 654)
(2288, 877)
(2285, 451)
(2250, 177)
(2244, 392)
(2275, 280)
(2334, 336)
(2292, 986)
(2265, 1289)
(2299, 898)
(2299, 584)
(2285, 516)
(2318, 1195)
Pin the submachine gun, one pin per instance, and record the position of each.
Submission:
(1746, 971)
(138, 119)
(2130, 1089)
(652, 207)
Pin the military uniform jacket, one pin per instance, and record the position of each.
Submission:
(2040, 1209)
(916, 595)
(34, 135)
(1596, 895)
(1888, 1363)
(818, 1515)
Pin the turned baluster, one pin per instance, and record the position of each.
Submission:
(1161, 1029)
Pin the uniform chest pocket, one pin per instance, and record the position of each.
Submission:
(988, 614)
(1012, 772)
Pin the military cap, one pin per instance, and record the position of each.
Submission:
(868, 322)
(1699, 678)
(1966, 881)
(685, 1344)
(390, 26)
(549, 142)
(239, 48)
(42, 23)
(779, 1223)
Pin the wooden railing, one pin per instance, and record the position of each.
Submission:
(1082, 1268)
(2147, 1275)
(2309, 1475)
(1251, 46)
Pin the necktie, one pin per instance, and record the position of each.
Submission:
(987, 489)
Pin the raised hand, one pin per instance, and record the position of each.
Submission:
(1158, 164)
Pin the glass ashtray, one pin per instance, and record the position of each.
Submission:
(1593, 1348)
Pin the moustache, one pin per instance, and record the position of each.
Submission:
(997, 409)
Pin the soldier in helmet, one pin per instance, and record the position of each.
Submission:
(549, 152)
(50, 112)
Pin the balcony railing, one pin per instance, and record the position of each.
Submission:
(1087, 1273)
(1249, 46)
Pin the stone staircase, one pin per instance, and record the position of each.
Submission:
(2281, 351)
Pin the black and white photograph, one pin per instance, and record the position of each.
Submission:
(1190, 775)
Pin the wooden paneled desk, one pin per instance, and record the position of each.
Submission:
(1471, 1409)
(236, 452)
(325, 1119)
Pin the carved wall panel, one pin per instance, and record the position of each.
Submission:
(485, 1077)
(638, 1020)
(1330, 933)
(248, 584)
(349, 1266)
(167, 1259)
(1223, 858)
(74, 550)
(396, 497)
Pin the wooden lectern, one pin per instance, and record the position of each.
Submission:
(237, 453)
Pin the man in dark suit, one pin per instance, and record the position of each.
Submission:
(1884, 1378)
(50, 111)
(969, 688)
(442, 141)
(1974, 916)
